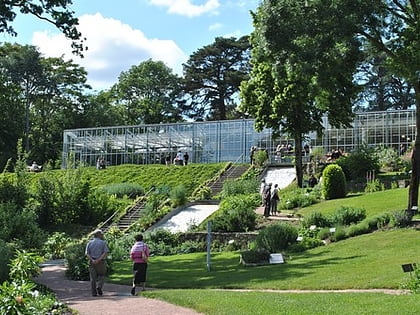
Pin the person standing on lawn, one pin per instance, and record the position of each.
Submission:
(139, 254)
(96, 251)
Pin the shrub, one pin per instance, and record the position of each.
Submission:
(348, 215)
(358, 229)
(378, 221)
(277, 237)
(400, 218)
(297, 198)
(374, 185)
(413, 282)
(317, 219)
(131, 190)
(339, 234)
(359, 162)
(203, 193)
(255, 256)
(178, 196)
(333, 182)
(77, 264)
(260, 157)
(55, 245)
(239, 187)
(5, 256)
(236, 214)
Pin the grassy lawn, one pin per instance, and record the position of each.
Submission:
(367, 261)
(364, 262)
(243, 303)
(374, 203)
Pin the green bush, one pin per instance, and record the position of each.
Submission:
(239, 187)
(6, 251)
(348, 215)
(316, 218)
(120, 190)
(255, 256)
(203, 193)
(236, 214)
(333, 182)
(339, 234)
(77, 263)
(178, 196)
(297, 198)
(374, 185)
(358, 229)
(55, 245)
(400, 218)
(413, 282)
(260, 157)
(359, 162)
(277, 237)
(378, 221)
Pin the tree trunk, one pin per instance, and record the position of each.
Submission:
(298, 160)
(413, 192)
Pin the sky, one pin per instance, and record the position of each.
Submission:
(123, 33)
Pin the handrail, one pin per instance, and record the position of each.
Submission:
(100, 226)
(228, 172)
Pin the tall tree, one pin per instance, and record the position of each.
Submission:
(302, 65)
(213, 75)
(56, 12)
(22, 66)
(149, 93)
(382, 90)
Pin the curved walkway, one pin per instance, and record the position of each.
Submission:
(115, 300)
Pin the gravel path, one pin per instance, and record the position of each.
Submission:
(116, 299)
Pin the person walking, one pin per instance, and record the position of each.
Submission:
(139, 254)
(96, 251)
(186, 158)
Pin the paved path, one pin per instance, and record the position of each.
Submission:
(116, 299)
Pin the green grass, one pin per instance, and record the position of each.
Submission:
(374, 203)
(243, 303)
(365, 262)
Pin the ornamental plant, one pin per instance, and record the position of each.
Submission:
(333, 182)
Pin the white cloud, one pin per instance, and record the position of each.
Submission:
(215, 26)
(187, 8)
(113, 47)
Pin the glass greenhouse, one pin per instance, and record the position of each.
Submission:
(227, 140)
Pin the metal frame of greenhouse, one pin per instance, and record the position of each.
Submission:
(227, 140)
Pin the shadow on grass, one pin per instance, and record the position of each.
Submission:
(190, 271)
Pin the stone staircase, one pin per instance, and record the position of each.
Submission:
(235, 171)
(132, 215)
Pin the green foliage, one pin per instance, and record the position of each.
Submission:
(77, 263)
(178, 195)
(277, 237)
(6, 250)
(358, 229)
(413, 282)
(387, 158)
(317, 219)
(203, 193)
(24, 266)
(298, 198)
(208, 102)
(400, 218)
(333, 182)
(359, 162)
(55, 245)
(20, 296)
(255, 256)
(260, 157)
(120, 190)
(239, 187)
(347, 215)
(374, 185)
(20, 225)
(236, 214)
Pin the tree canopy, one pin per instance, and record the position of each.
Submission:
(56, 12)
(302, 69)
(212, 77)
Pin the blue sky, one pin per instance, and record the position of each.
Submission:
(124, 33)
